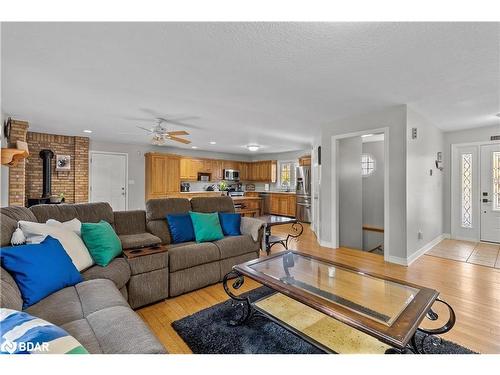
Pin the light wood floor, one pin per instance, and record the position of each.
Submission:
(472, 290)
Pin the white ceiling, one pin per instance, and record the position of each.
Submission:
(273, 84)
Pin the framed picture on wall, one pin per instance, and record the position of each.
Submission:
(63, 162)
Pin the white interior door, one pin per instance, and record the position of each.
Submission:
(108, 179)
(490, 193)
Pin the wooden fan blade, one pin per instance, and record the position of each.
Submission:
(179, 132)
(181, 140)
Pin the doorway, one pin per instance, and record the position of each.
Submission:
(475, 208)
(109, 179)
(361, 192)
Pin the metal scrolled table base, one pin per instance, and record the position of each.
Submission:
(419, 348)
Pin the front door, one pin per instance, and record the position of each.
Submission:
(108, 179)
(490, 193)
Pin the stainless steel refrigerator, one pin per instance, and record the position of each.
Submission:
(303, 191)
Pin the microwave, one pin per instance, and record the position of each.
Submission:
(231, 175)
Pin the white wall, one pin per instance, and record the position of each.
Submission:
(394, 118)
(457, 137)
(424, 192)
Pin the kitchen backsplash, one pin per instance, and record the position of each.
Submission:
(202, 186)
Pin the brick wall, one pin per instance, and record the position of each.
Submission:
(73, 183)
(18, 132)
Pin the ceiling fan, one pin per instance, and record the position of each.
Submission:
(160, 134)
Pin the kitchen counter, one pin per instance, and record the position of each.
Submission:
(202, 192)
(275, 192)
(246, 199)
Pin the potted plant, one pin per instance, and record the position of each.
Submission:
(57, 198)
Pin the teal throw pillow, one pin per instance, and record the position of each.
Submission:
(206, 226)
(102, 242)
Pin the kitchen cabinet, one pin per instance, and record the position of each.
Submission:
(230, 164)
(262, 171)
(191, 167)
(244, 171)
(217, 170)
(282, 204)
(252, 194)
(162, 175)
(187, 171)
(258, 171)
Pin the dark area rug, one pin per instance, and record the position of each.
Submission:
(208, 332)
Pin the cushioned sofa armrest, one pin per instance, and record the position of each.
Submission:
(130, 222)
(252, 226)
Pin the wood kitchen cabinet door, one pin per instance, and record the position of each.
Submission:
(217, 173)
(275, 204)
(283, 204)
(244, 171)
(206, 166)
(292, 201)
(196, 166)
(157, 176)
(173, 180)
(162, 175)
(230, 164)
(186, 169)
(252, 171)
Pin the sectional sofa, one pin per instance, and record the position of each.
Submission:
(98, 312)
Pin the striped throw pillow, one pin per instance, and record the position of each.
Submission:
(22, 333)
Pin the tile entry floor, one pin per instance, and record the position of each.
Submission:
(481, 253)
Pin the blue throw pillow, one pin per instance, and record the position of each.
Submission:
(230, 224)
(181, 228)
(39, 269)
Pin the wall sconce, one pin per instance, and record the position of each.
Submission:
(439, 161)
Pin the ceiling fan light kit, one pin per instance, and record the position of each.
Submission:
(160, 134)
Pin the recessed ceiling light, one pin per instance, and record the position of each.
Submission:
(367, 135)
(194, 146)
(213, 142)
(87, 131)
(253, 148)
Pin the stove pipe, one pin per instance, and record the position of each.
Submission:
(46, 156)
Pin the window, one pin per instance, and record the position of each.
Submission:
(496, 181)
(367, 165)
(466, 188)
(287, 174)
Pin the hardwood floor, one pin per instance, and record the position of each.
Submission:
(472, 290)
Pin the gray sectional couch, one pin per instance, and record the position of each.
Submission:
(98, 312)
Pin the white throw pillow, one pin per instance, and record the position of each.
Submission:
(72, 243)
(73, 225)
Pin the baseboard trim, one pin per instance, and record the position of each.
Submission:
(326, 244)
(397, 260)
(417, 254)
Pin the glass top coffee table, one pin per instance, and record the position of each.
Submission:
(314, 296)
